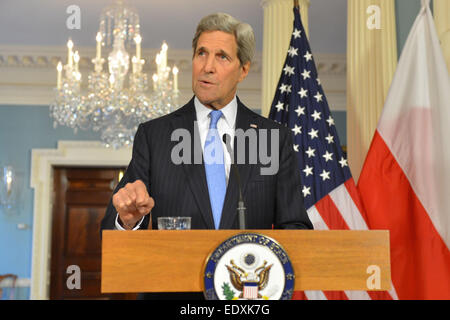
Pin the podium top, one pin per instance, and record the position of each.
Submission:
(174, 260)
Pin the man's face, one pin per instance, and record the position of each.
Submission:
(216, 69)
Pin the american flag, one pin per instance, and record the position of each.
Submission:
(328, 189)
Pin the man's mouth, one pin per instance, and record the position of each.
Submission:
(206, 82)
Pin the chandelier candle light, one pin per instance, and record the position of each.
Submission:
(8, 190)
(117, 101)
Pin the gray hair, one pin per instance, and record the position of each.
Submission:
(243, 33)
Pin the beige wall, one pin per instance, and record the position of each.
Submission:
(371, 63)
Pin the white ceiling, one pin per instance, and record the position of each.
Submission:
(43, 22)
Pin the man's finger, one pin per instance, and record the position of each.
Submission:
(142, 196)
(146, 206)
(130, 189)
(124, 203)
(144, 202)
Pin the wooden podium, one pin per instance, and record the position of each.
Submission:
(174, 261)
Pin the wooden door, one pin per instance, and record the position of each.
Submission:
(79, 202)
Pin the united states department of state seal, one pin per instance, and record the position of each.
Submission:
(249, 266)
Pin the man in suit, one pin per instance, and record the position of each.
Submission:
(155, 185)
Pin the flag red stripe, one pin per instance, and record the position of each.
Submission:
(379, 295)
(335, 295)
(420, 260)
(354, 194)
(330, 214)
(299, 295)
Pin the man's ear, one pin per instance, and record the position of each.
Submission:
(244, 71)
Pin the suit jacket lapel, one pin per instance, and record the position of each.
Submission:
(244, 118)
(195, 172)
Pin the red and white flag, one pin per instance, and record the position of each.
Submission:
(405, 181)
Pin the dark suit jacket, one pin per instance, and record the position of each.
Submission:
(181, 190)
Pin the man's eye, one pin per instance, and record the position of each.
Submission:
(223, 57)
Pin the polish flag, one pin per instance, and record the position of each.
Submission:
(405, 181)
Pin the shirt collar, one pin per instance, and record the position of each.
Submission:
(229, 111)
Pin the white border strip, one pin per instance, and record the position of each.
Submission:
(20, 282)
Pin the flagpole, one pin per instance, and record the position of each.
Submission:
(303, 12)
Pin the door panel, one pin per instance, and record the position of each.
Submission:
(79, 203)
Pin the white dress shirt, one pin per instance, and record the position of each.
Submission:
(225, 125)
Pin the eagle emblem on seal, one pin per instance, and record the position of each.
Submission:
(249, 283)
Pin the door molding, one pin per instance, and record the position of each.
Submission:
(67, 153)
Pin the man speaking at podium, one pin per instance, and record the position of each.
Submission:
(156, 184)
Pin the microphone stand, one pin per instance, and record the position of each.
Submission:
(241, 208)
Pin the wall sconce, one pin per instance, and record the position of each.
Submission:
(8, 189)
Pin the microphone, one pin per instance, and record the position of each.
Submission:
(241, 209)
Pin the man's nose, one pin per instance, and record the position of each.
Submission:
(210, 65)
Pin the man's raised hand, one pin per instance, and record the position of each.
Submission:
(132, 202)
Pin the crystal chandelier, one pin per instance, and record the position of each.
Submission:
(118, 99)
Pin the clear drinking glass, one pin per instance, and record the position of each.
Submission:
(174, 223)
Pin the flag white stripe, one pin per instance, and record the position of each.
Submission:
(315, 295)
(357, 295)
(347, 208)
(316, 219)
(319, 224)
(392, 292)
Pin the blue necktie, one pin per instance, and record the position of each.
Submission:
(215, 168)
